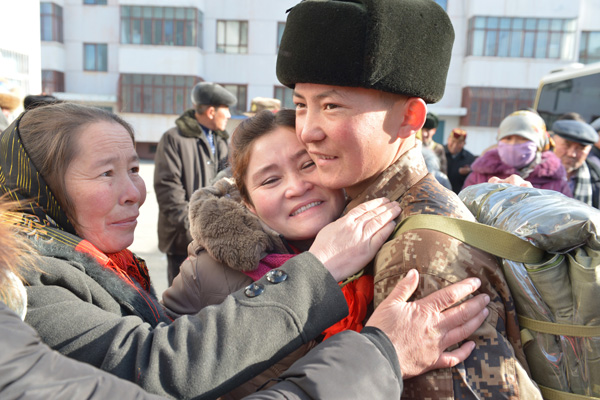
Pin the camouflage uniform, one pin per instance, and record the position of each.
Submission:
(496, 369)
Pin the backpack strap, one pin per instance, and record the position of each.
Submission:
(553, 394)
(484, 237)
(553, 328)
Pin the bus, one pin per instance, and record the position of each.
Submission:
(575, 88)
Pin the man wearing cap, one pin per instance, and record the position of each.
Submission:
(427, 132)
(263, 103)
(573, 141)
(459, 159)
(188, 157)
(360, 89)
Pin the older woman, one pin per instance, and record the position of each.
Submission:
(522, 150)
(74, 171)
(28, 368)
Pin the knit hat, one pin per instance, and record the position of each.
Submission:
(525, 124)
(374, 44)
(263, 103)
(212, 94)
(431, 121)
(575, 131)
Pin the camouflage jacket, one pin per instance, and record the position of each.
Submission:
(497, 368)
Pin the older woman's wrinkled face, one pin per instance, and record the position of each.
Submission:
(105, 187)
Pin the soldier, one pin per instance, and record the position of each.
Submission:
(361, 89)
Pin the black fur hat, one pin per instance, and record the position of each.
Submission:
(397, 46)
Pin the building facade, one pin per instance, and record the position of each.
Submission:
(140, 58)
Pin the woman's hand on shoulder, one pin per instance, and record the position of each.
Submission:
(345, 246)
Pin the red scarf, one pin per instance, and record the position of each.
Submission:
(124, 263)
(358, 294)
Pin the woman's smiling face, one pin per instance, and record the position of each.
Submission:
(284, 187)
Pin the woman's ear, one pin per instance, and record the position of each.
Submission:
(249, 207)
(414, 112)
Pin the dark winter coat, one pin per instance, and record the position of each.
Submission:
(455, 162)
(183, 163)
(548, 174)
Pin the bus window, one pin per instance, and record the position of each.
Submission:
(576, 90)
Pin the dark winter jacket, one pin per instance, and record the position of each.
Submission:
(183, 163)
(455, 162)
(548, 174)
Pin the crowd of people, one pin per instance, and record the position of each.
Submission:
(287, 278)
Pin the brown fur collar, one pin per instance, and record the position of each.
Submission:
(227, 230)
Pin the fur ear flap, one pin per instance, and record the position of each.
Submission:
(227, 230)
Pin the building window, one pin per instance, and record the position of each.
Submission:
(51, 22)
(280, 28)
(52, 81)
(521, 37)
(95, 57)
(488, 106)
(97, 2)
(240, 92)
(165, 26)
(232, 37)
(156, 94)
(285, 95)
(443, 4)
(589, 47)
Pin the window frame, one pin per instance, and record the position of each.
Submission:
(52, 81)
(147, 88)
(97, 57)
(95, 2)
(178, 26)
(241, 94)
(241, 46)
(488, 106)
(56, 18)
(585, 55)
(544, 38)
(285, 95)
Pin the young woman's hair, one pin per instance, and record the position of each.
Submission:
(244, 136)
(49, 136)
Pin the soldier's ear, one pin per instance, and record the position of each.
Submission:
(414, 113)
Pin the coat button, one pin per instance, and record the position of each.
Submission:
(254, 289)
(276, 276)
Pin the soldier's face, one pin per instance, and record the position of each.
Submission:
(348, 132)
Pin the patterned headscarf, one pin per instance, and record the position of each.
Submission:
(40, 216)
(22, 182)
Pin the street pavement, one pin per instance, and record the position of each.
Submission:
(145, 243)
